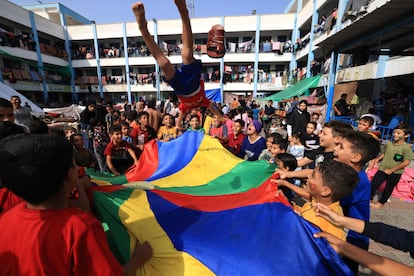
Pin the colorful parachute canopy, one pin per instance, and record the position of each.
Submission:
(210, 213)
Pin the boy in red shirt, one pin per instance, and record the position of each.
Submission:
(52, 238)
(144, 132)
(119, 154)
(219, 130)
(7, 128)
(236, 137)
(186, 81)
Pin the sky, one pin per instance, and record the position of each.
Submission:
(105, 11)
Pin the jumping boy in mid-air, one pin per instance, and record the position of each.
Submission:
(186, 81)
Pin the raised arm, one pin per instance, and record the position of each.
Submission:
(298, 190)
(336, 219)
(294, 174)
(111, 166)
(378, 264)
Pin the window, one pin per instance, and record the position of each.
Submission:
(117, 72)
(12, 64)
(281, 38)
(200, 41)
(90, 72)
(265, 39)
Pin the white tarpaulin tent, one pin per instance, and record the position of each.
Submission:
(67, 111)
(7, 92)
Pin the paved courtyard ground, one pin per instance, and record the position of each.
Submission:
(398, 213)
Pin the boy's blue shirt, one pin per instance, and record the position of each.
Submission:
(356, 205)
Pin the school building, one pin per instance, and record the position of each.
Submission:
(55, 56)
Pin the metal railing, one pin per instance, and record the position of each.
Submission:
(384, 132)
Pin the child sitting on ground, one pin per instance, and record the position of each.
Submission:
(236, 137)
(118, 153)
(168, 131)
(329, 182)
(41, 170)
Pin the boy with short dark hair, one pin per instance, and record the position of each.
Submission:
(330, 135)
(6, 111)
(7, 198)
(62, 240)
(365, 124)
(219, 130)
(236, 137)
(266, 154)
(84, 157)
(278, 146)
(356, 149)
(118, 153)
(167, 131)
(194, 123)
(144, 132)
(328, 183)
(288, 162)
(126, 130)
(396, 156)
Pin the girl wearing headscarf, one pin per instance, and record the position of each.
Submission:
(253, 143)
(298, 119)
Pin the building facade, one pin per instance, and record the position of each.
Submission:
(53, 55)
